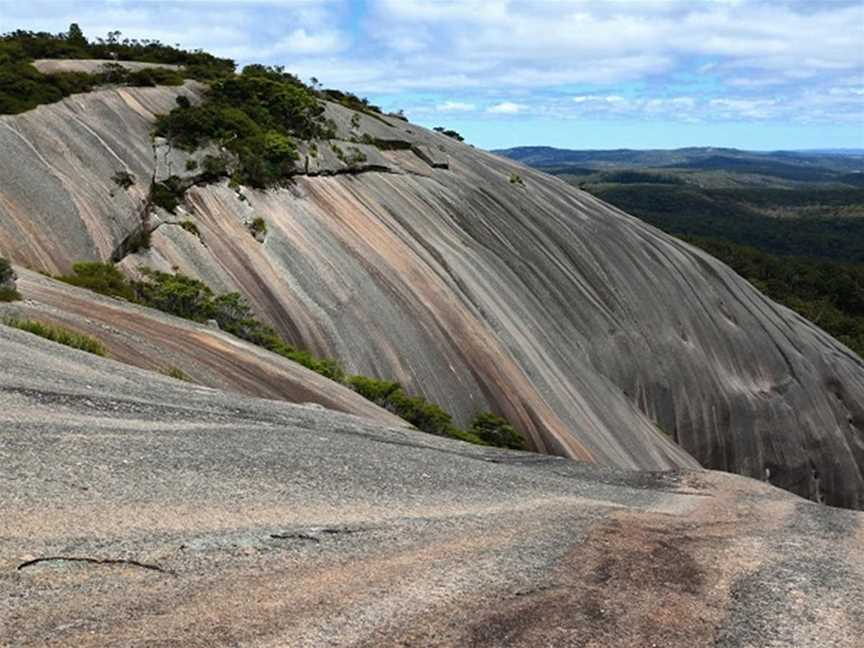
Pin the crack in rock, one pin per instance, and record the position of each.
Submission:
(310, 534)
(294, 536)
(96, 561)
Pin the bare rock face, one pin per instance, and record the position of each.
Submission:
(599, 336)
(91, 66)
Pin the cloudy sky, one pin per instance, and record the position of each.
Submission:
(759, 74)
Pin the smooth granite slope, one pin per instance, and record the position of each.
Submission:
(142, 511)
(478, 282)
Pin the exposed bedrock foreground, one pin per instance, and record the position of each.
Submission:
(138, 510)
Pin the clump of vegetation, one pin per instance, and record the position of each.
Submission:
(168, 194)
(213, 168)
(140, 239)
(8, 293)
(356, 156)
(151, 77)
(496, 431)
(485, 429)
(353, 102)
(177, 374)
(339, 152)
(191, 165)
(191, 227)
(58, 334)
(422, 414)
(116, 74)
(449, 133)
(385, 145)
(516, 179)
(103, 278)
(258, 228)
(123, 179)
(256, 116)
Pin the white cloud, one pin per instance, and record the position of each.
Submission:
(300, 41)
(758, 108)
(455, 106)
(571, 58)
(506, 108)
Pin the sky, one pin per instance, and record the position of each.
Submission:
(584, 74)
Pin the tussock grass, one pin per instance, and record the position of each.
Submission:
(177, 374)
(57, 334)
(9, 295)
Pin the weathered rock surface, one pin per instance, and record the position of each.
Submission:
(139, 510)
(90, 66)
(585, 327)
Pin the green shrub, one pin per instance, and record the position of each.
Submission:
(9, 295)
(7, 276)
(213, 168)
(353, 102)
(168, 194)
(516, 179)
(373, 389)
(357, 156)
(422, 414)
(123, 179)
(58, 334)
(496, 431)
(191, 227)
(177, 294)
(139, 240)
(449, 133)
(103, 278)
(463, 435)
(256, 116)
(425, 416)
(258, 227)
(339, 152)
(6, 271)
(486, 428)
(191, 165)
(149, 77)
